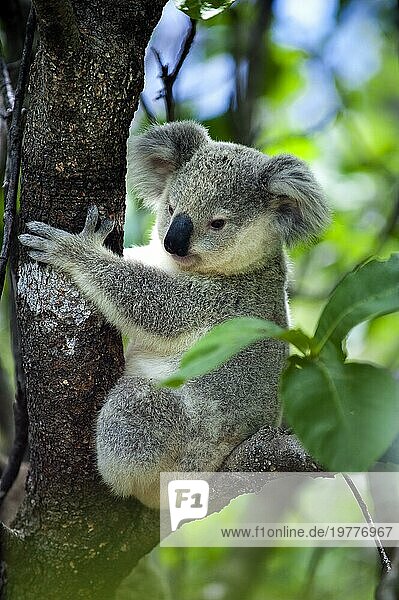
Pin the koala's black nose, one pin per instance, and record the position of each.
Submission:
(177, 239)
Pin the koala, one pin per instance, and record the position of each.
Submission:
(224, 213)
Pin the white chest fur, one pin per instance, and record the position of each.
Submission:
(149, 355)
(141, 363)
(153, 255)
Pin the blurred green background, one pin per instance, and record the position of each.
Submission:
(318, 79)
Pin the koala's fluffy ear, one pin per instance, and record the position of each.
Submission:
(295, 198)
(160, 151)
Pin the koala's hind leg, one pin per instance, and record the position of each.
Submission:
(140, 432)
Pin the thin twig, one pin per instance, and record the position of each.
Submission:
(6, 87)
(169, 77)
(5, 413)
(184, 50)
(13, 167)
(385, 562)
(17, 453)
(10, 199)
(14, 148)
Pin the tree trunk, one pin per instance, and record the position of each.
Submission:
(75, 540)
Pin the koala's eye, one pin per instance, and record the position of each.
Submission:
(170, 209)
(217, 224)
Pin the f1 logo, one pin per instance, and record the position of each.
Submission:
(188, 499)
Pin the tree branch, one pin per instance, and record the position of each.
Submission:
(270, 449)
(6, 104)
(18, 450)
(184, 50)
(14, 149)
(57, 24)
(169, 78)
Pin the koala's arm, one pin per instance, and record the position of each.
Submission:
(125, 292)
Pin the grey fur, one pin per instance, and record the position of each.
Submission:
(236, 271)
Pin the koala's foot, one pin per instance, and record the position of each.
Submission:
(140, 432)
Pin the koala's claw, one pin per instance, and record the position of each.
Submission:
(33, 241)
(44, 243)
(39, 247)
(106, 225)
(45, 231)
(91, 220)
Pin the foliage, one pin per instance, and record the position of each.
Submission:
(203, 9)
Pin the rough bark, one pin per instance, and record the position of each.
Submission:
(73, 539)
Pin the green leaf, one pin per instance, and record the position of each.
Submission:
(369, 291)
(202, 9)
(345, 414)
(227, 339)
(297, 338)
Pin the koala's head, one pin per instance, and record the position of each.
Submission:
(223, 208)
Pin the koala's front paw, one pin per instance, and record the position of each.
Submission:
(46, 243)
(57, 247)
